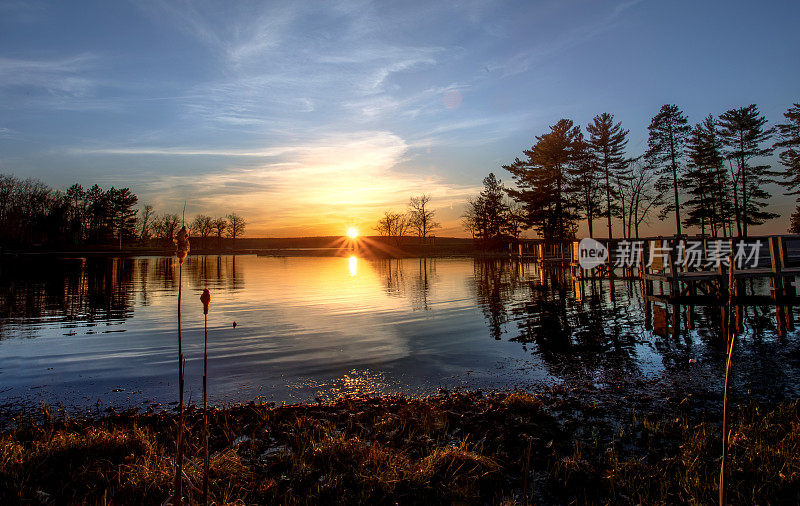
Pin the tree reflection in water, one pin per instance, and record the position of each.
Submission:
(411, 279)
(604, 328)
(470, 313)
(569, 331)
(90, 289)
(87, 291)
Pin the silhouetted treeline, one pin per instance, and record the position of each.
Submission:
(712, 177)
(34, 214)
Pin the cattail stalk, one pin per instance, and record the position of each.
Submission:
(730, 336)
(181, 251)
(723, 471)
(206, 300)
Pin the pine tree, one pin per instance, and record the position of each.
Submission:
(491, 217)
(789, 134)
(542, 183)
(743, 132)
(122, 214)
(585, 180)
(76, 215)
(494, 206)
(622, 181)
(706, 180)
(668, 132)
(607, 142)
(794, 226)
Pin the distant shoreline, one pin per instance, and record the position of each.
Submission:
(368, 247)
(276, 253)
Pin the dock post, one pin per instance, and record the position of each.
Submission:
(676, 320)
(673, 270)
(645, 269)
(723, 292)
(732, 283)
(777, 260)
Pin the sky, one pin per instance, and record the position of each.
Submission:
(311, 117)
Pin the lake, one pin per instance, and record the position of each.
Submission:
(101, 331)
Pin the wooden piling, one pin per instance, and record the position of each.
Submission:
(777, 262)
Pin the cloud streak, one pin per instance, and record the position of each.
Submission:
(59, 76)
(317, 188)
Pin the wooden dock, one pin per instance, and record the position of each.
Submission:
(675, 272)
(688, 271)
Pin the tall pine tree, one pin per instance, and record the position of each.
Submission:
(743, 132)
(494, 207)
(585, 181)
(668, 132)
(542, 183)
(789, 134)
(607, 142)
(707, 184)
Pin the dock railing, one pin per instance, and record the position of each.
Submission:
(690, 266)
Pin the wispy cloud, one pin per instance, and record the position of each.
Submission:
(180, 151)
(321, 186)
(299, 112)
(58, 76)
(282, 61)
(524, 60)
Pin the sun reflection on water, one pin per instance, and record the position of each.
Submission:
(353, 266)
(353, 383)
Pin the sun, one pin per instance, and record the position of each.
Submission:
(352, 233)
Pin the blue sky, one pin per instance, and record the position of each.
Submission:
(309, 117)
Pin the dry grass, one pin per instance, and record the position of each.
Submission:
(468, 448)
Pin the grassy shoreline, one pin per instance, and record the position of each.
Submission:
(475, 448)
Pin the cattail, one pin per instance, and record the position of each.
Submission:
(181, 251)
(182, 244)
(206, 300)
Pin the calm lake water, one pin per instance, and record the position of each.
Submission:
(102, 331)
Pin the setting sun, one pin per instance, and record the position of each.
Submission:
(352, 233)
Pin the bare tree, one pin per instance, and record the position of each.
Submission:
(236, 226)
(146, 217)
(384, 224)
(421, 217)
(472, 219)
(164, 226)
(201, 226)
(392, 225)
(641, 195)
(219, 226)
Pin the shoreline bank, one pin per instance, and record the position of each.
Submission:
(504, 447)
